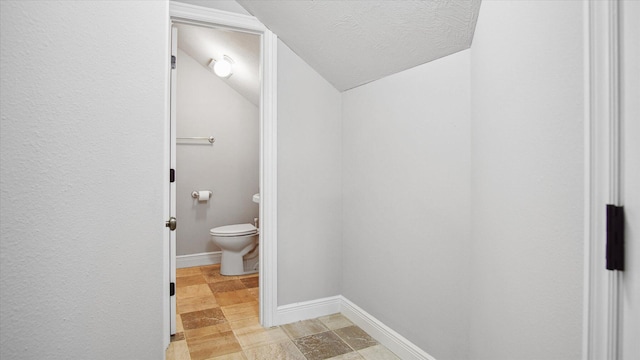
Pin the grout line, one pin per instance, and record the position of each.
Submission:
(242, 350)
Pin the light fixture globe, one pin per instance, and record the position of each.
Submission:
(223, 68)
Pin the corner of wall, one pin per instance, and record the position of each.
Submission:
(309, 182)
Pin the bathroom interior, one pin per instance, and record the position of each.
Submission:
(217, 148)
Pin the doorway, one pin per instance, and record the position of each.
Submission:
(217, 130)
(184, 14)
(217, 137)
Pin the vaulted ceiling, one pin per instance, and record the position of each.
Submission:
(353, 42)
(204, 44)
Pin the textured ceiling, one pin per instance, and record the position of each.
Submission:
(204, 44)
(351, 43)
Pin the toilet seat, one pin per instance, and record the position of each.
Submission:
(234, 230)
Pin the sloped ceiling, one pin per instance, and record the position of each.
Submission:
(204, 44)
(351, 43)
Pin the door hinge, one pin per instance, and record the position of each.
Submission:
(172, 289)
(615, 237)
(173, 62)
(172, 175)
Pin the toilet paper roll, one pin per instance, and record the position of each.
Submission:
(204, 195)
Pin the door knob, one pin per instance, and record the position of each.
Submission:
(171, 223)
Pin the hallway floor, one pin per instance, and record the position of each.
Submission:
(218, 319)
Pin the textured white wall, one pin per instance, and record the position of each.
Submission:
(406, 202)
(83, 114)
(630, 116)
(309, 187)
(207, 106)
(527, 181)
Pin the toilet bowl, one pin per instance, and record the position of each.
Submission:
(239, 244)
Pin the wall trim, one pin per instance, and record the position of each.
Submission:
(199, 15)
(306, 310)
(201, 259)
(601, 300)
(269, 180)
(166, 190)
(386, 336)
(615, 280)
(393, 341)
(591, 348)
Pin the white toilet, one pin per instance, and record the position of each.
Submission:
(239, 244)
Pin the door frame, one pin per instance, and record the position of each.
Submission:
(601, 300)
(172, 184)
(268, 283)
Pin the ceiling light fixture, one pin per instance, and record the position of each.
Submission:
(223, 68)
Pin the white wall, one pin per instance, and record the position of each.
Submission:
(81, 172)
(406, 204)
(309, 186)
(630, 117)
(206, 106)
(527, 175)
(81, 142)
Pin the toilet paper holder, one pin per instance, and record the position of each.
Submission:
(196, 194)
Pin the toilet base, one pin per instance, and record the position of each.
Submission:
(234, 264)
(240, 274)
(250, 265)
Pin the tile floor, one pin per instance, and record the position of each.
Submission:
(218, 319)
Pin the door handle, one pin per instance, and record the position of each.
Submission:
(171, 223)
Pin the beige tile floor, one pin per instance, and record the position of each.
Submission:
(218, 319)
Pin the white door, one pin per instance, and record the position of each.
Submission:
(172, 185)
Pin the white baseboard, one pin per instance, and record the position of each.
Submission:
(210, 258)
(393, 341)
(287, 314)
